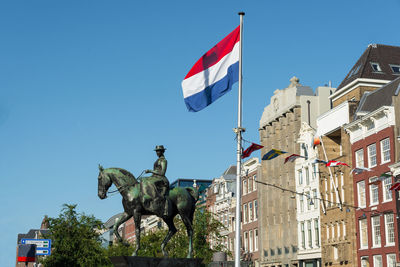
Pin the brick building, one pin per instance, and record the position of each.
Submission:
(377, 66)
(373, 146)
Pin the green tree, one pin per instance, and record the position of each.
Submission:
(205, 227)
(75, 240)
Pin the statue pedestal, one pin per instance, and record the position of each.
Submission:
(130, 261)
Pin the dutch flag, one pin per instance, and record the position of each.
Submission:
(213, 74)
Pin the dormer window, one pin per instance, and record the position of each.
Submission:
(395, 68)
(376, 67)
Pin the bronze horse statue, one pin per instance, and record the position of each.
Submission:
(181, 200)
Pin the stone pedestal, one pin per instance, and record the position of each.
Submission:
(130, 261)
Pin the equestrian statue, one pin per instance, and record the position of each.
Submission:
(150, 196)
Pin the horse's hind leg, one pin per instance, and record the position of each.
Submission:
(188, 223)
(137, 217)
(171, 231)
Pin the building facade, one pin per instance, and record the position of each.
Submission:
(279, 128)
(373, 146)
(249, 227)
(307, 198)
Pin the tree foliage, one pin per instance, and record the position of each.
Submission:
(205, 227)
(75, 240)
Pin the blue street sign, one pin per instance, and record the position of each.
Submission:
(43, 246)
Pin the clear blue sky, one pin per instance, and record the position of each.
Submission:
(88, 82)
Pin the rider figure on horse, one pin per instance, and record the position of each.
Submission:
(158, 185)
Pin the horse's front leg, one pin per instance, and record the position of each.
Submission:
(137, 218)
(124, 217)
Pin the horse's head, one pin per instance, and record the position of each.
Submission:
(104, 183)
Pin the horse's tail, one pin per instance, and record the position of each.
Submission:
(194, 192)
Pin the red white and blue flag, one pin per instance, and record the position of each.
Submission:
(213, 74)
(335, 163)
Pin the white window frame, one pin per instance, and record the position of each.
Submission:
(364, 261)
(372, 188)
(377, 259)
(246, 240)
(245, 213)
(386, 192)
(309, 233)
(254, 182)
(363, 229)
(251, 241)
(300, 176)
(359, 154)
(255, 239)
(255, 203)
(361, 197)
(389, 229)
(370, 156)
(303, 235)
(244, 187)
(307, 171)
(251, 214)
(376, 227)
(316, 232)
(391, 260)
(386, 150)
(301, 203)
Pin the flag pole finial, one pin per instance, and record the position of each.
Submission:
(241, 13)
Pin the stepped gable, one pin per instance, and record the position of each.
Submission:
(384, 55)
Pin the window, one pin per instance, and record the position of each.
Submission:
(244, 187)
(335, 253)
(387, 193)
(245, 211)
(327, 232)
(246, 241)
(301, 203)
(315, 171)
(300, 174)
(360, 158)
(309, 234)
(249, 185)
(308, 200)
(307, 176)
(378, 261)
(361, 194)
(389, 229)
(372, 155)
(303, 237)
(251, 211)
(316, 232)
(315, 199)
(376, 231)
(338, 229)
(385, 150)
(255, 210)
(373, 188)
(305, 152)
(255, 239)
(363, 233)
(254, 182)
(375, 67)
(251, 241)
(391, 260)
(364, 262)
(395, 68)
(344, 229)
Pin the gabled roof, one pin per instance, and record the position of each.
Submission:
(384, 55)
(231, 170)
(371, 101)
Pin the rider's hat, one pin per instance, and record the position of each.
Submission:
(161, 147)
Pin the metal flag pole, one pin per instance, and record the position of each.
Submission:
(238, 131)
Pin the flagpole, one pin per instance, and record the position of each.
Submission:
(238, 131)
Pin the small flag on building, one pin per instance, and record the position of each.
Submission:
(335, 163)
(359, 170)
(396, 186)
(320, 161)
(213, 74)
(293, 157)
(316, 141)
(385, 175)
(253, 147)
(273, 153)
(376, 180)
